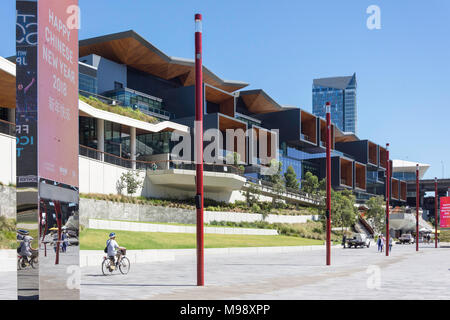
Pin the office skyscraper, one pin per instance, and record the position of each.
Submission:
(341, 92)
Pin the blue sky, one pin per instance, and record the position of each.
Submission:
(280, 46)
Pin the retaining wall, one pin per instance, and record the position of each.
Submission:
(8, 201)
(150, 227)
(108, 210)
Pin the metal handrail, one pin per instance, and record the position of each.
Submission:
(288, 191)
(155, 165)
(103, 99)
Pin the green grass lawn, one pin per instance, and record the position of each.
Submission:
(94, 239)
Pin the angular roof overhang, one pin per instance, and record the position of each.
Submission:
(7, 84)
(131, 49)
(257, 101)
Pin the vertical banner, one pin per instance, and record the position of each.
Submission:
(58, 90)
(26, 150)
(26, 92)
(445, 213)
(59, 273)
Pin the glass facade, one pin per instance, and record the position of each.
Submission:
(321, 95)
(343, 104)
(88, 132)
(153, 143)
(114, 136)
(147, 104)
(405, 176)
(298, 159)
(87, 84)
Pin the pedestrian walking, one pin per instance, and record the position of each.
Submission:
(382, 243)
(379, 243)
(390, 244)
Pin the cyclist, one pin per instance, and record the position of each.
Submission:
(25, 246)
(111, 250)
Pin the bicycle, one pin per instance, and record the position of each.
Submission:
(33, 262)
(123, 264)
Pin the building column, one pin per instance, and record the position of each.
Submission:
(133, 147)
(12, 115)
(101, 138)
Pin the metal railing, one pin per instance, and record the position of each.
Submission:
(105, 100)
(288, 191)
(7, 127)
(155, 165)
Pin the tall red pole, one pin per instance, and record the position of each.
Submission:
(58, 215)
(328, 212)
(199, 147)
(388, 196)
(417, 207)
(436, 203)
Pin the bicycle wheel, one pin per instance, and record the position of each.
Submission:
(19, 263)
(124, 265)
(34, 262)
(106, 267)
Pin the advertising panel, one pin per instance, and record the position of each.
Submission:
(58, 91)
(445, 212)
(26, 93)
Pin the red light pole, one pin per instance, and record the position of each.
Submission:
(436, 203)
(328, 212)
(388, 196)
(417, 207)
(199, 148)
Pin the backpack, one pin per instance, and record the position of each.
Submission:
(106, 248)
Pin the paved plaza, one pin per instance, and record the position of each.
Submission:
(354, 274)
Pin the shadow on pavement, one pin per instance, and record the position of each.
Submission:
(137, 285)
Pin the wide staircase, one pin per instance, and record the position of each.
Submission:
(362, 226)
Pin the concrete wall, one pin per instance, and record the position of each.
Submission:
(101, 177)
(153, 227)
(107, 210)
(8, 202)
(8, 159)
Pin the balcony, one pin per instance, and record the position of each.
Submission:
(155, 165)
(402, 190)
(308, 128)
(373, 154)
(323, 134)
(148, 104)
(346, 173)
(360, 176)
(382, 157)
(395, 189)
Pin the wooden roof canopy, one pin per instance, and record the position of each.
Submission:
(7, 90)
(257, 101)
(131, 49)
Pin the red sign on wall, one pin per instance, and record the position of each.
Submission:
(58, 90)
(445, 212)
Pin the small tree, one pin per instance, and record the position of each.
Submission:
(310, 184)
(252, 195)
(277, 185)
(376, 213)
(131, 181)
(291, 178)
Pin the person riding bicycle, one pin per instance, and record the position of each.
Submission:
(111, 249)
(25, 249)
